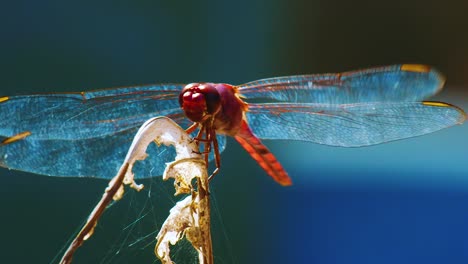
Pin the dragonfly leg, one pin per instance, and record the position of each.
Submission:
(207, 142)
(198, 137)
(214, 140)
(213, 174)
(191, 128)
(207, 135)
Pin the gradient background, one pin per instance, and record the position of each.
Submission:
(403, 202)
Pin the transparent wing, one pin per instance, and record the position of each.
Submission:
(98, 157)
(351, 125)
(396, 83)
(88, 114)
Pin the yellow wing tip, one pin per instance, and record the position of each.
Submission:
(3, 99)
(440, 104)
(16, 137)
(463, 115)
(415, 68)
(425, 69)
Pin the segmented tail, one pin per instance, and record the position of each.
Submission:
(262, 155)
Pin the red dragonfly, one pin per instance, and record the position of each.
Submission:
(87, 134)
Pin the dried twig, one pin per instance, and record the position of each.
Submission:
(190, 217)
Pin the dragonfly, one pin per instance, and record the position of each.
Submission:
(87, 134)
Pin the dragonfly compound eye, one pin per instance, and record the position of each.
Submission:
(198, 100)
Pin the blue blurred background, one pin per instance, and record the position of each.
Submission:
(403, 202)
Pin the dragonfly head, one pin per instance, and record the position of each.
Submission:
(199, 101)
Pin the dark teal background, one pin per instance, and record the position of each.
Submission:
(403, 202)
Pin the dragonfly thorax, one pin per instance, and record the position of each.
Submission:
(200, 101)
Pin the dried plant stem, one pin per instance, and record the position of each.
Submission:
(205, 255)
(189, 217)
(93, 218)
